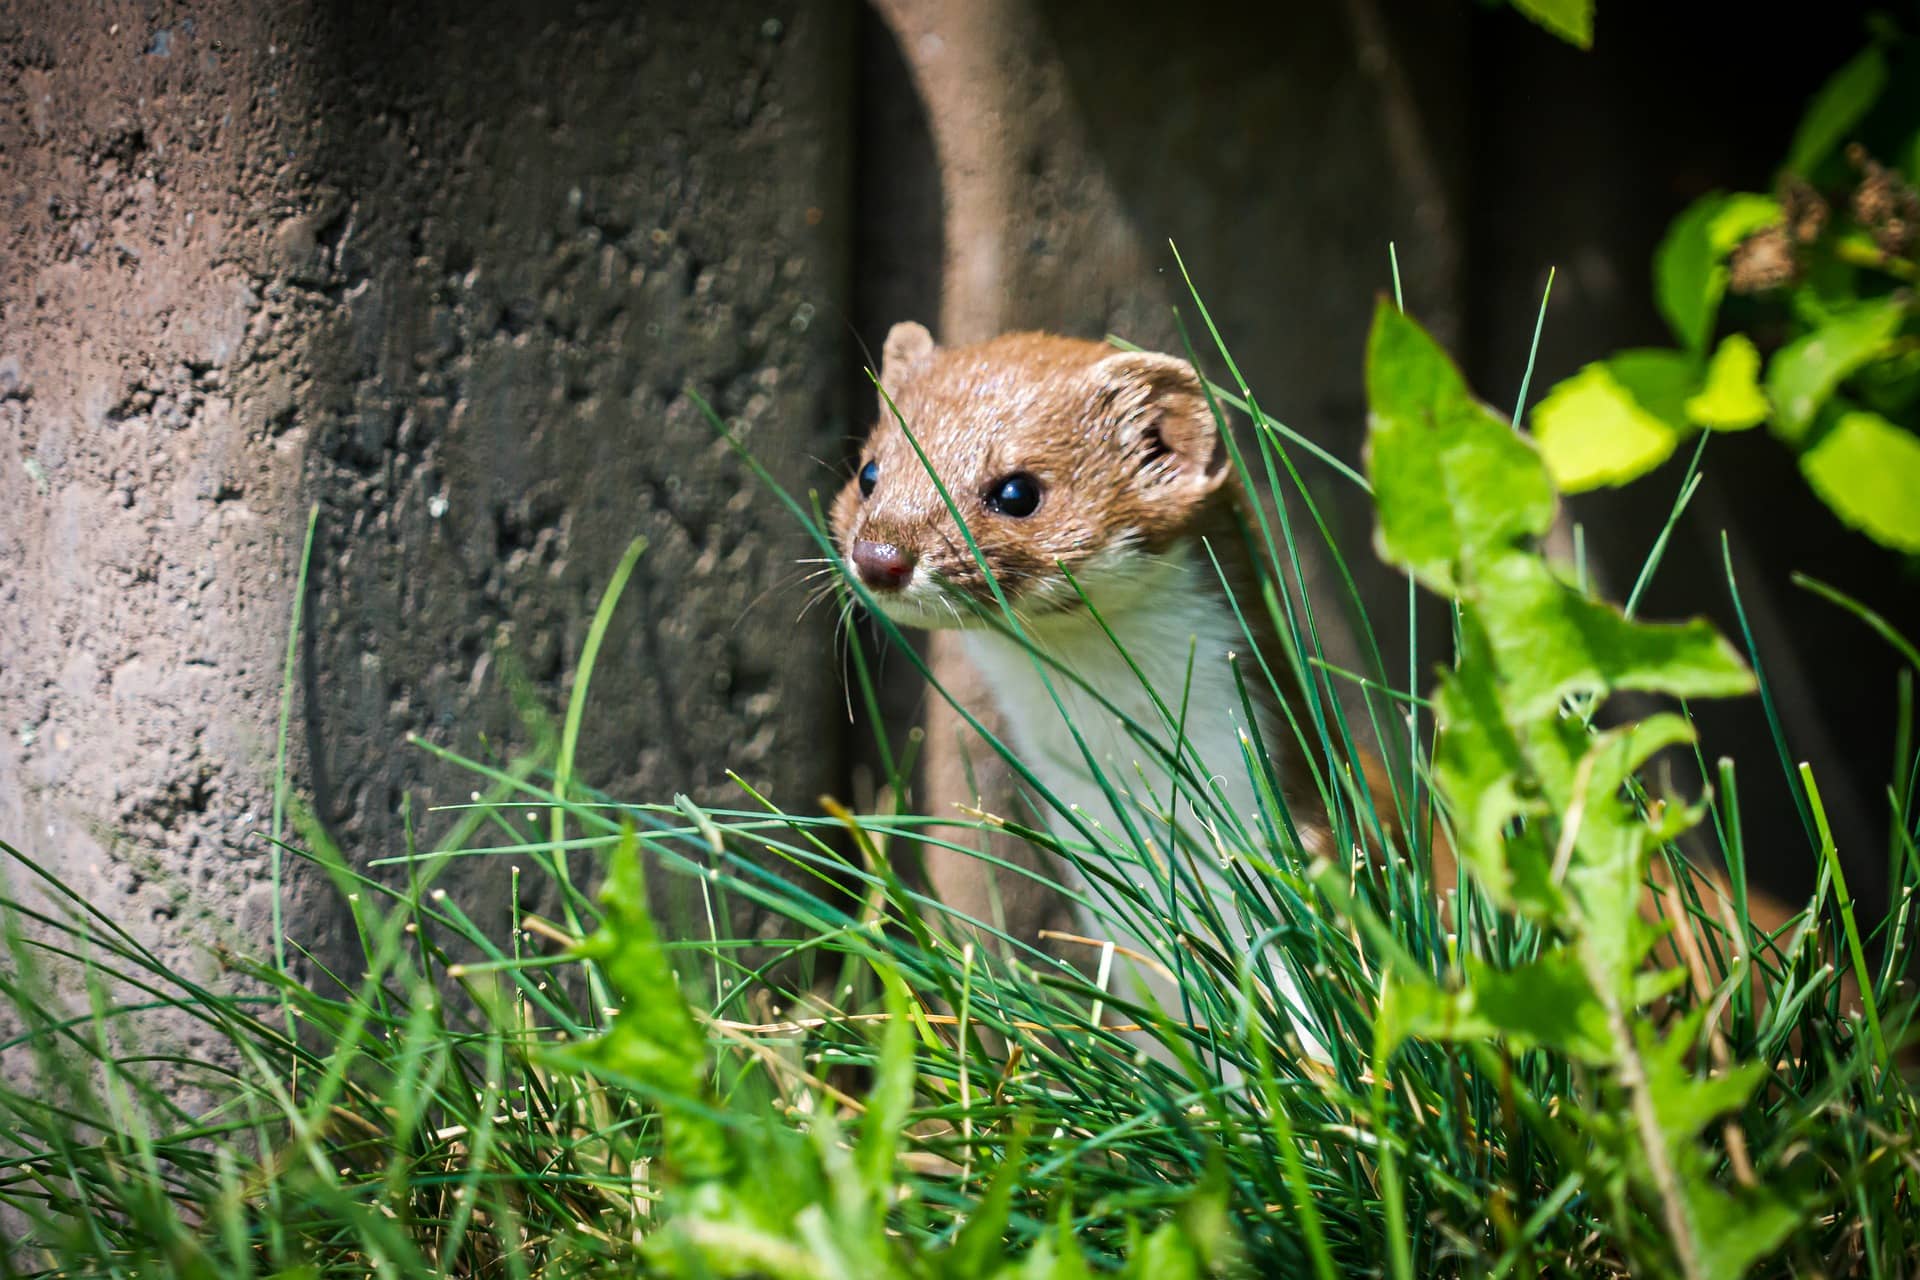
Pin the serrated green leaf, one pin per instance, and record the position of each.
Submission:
(1605, 760)
(655, 1039)
(1729, 1230)
(1546, 1003)
(1614, 420)
(1571, 20)
(1410, 1009)
(1733, 1230)
(1805, 373)
(1731, 399)
(1685, 1102)
(1583, 775)
(1549, 1003)
(1868, 470)
(1479, 763)
(1836, 110)
(1452, 480)
(1549, 642)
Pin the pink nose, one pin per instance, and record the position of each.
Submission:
(881, 565)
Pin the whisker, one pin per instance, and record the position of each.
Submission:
(843, 638)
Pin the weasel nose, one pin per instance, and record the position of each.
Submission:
(881, 565)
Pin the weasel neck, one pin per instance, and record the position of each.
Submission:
(1167, 667)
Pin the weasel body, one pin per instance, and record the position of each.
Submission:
(1095, 485)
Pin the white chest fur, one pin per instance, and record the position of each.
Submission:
(1177, 631)
(1176, 636)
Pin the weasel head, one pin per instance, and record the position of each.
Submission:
(1062, 457)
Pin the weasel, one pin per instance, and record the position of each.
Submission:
(1096, 487)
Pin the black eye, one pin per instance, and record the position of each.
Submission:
(1018, 495)
(869, 476)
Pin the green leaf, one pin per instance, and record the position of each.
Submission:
(1549, 641)
(1805, 372)
(890, 1100)
(1843, 101)
(1571, 20)
(1583, 775)
(981, 1244)
(1868, 470)
(1608, 758)
(655, 1039)
(1547, 1002)
(1685, 1102)
(1479, 763)
(1739, 215)
(1616, 419)
(1411, 1009)
(1731, 400)
(1730, 1230)
(1452, 480)
(1689, 266)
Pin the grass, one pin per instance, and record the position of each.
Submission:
(892, 1089)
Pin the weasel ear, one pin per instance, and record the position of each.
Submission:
(908, 345)
(1159, 410)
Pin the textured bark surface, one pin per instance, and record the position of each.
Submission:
(446, 270)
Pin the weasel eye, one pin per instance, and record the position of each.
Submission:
(1018, 495)
(869, 476)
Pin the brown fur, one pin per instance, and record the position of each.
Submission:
(1127, 455)
(1122, 445)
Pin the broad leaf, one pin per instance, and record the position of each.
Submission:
(1571, 20)
(1868, 470)
(1452, 480)
(1548, 1003)
(1689, 266)
(1843, 101)
(1479, 764)
(1730, 1230)
(1410, 1009)
(655, 1039)
(1583, 775)
(1731, 400)
(1549, 641)
(1805, 372)
(1616, 419)
(1603, 760)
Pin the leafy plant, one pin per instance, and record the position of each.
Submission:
(1823, 347)
(1546, 813)
(1571, 20)
(1522, 1074)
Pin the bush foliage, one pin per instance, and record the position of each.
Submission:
(1819, 274)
